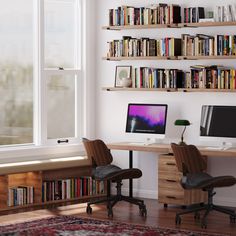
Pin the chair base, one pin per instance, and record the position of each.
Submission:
(112, 200)
(208, 208)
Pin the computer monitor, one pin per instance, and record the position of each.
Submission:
(218, 123)
(149, 119)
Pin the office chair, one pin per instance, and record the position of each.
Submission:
(192, 164)
(103, 170)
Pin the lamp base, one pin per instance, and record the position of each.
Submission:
(182, 143)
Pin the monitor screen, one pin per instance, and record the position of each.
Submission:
(218, 121)
(146, 118)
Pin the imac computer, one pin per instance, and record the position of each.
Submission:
(147, 120)
(218, 124)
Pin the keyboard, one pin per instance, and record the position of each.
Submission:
(215, 148)
(139, 144)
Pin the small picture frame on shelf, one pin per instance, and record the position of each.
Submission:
(123, 76)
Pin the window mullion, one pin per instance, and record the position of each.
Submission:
(37, 72)
(42, 134)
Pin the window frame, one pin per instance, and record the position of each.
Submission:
(41, 146)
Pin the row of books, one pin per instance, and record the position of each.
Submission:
(225, 13)
(193, 14)
(20, 195)
(213, 77)
(207, 45)
(133, 47)
(71, 188)
(168, 14)
(146, 77)
(200, 76)
(155, 14)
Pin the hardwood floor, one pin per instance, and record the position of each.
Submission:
(156, 216)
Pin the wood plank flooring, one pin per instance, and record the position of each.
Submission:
(125, 212)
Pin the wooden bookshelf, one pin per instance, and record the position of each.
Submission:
(3, 191)
(206, 24)
(164, 26)
(205, 57)
(115, 89)
(139, 58)
(138, 27)
(42, 172)
(169, 58)
(200, 90)
(139, 89)
(161, 26)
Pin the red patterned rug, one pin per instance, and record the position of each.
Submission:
(70, 225)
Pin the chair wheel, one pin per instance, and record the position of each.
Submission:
(177, 220)
(143, 211)
(89, 210)
(197, 216)
(110, 213)
(232, 219)
(204, 225)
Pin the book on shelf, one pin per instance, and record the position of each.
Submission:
(144, 47)
(199, 77)
(153, 14)
(20, 195)
(226, 13)
(193, 14)
(71, 188)
(207, 45)
(147, 77)
(213, 77)
(206, 20)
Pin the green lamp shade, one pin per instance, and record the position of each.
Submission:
(182, 122)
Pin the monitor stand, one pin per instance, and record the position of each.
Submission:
(222, 146)
(228, 145)
(150, 141)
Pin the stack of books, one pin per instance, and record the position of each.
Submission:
(71, 188)
(133, 47)
(20, 195)
(155, 14)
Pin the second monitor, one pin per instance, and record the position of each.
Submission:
(149, 119)
(218, 124)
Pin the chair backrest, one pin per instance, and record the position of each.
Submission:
(188, 158)
(98, 152)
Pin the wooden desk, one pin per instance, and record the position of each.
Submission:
(164, 149)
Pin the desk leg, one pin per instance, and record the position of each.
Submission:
(130, 166)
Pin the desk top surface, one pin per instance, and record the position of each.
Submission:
(162, 148)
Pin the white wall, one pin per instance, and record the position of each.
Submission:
(111, 107)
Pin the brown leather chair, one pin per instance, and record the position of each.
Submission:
(103, 170)
(193, 165)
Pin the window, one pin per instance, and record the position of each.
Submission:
(61, 67)
(40, 79)
(16, 72)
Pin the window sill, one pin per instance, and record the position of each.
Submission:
(42, 165)
(33, 152)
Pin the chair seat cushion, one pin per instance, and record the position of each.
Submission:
(205, 181)
(113, 173)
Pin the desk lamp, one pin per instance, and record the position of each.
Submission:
(182, 123)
